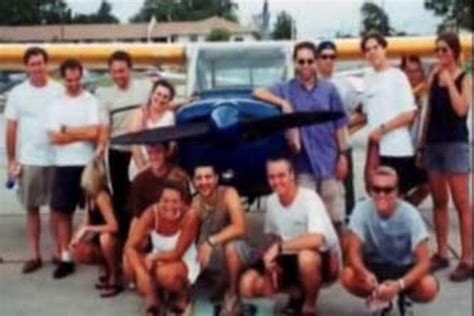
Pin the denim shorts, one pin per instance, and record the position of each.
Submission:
(448, 157)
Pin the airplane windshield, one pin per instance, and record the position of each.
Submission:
(243, 68)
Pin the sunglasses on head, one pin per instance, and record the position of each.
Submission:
(327, 56)
(386, 190)
(441, 49)
(305, 61)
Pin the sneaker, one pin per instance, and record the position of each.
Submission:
(439, 262)
(32, 265)
(64, 269)
(462, 272)
(232, 306)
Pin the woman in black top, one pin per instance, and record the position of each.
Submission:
(447, 152)
(96, 240)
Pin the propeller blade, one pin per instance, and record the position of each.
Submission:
(262, 127)
(163, 134)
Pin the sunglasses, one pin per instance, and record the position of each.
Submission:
(385, 190)
(328, 56)
(441, 49)
(301, 62)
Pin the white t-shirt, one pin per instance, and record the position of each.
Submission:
(28, 106)
(307, 214)
(388, 94)
(348, 92)
(80, 111)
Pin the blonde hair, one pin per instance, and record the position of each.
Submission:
(385, 171)
(94, 177)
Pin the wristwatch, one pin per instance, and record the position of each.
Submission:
(63, 128)
(210, 242)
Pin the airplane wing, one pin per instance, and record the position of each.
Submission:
(251, 129)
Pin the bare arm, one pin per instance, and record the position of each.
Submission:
(74, 134)
(265, 95)
(404, 119)
(11, 139)
(357, 121)
(460, 100)
(136, 125)
(422, 266)
(238, 225)
(137, 238)
(354, 254)
(188, 235)
(104, 204)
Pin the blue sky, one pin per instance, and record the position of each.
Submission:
(314, 18)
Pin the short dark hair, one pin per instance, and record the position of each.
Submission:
(71, 64)
(326, 45)
(120, 55)
(304, 45)
(205, 165)
(412, 59)
(34, 51)
(452, 40)
(166, 84)
(279, 158)
(373, 35)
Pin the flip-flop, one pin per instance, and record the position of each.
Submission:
(111, 290)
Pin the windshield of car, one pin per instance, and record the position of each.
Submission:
(244, 68)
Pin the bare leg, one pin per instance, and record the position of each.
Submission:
(33, 227)
(234, 266)
(353, 283)
(53, 225)
(459, 186)
(438, 185)
(425, 290)
(109, 246)
(64, 230)
(309, 263)
(419, 194)
(253, 284)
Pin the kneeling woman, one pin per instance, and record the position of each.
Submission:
(172, 264)
(96, 240)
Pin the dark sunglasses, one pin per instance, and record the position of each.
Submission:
(301, 62)
(443, 50)
(385, 190)
(328, 56)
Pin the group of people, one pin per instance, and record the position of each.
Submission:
(147, 230)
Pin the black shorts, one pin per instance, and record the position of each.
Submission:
(290, 276)
(409, 175)
(388, 271)
(67, 193)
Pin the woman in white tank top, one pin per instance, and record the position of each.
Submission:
(157, 113)
(172, 266)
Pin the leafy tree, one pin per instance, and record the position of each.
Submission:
(374, 18)
(103, 15)
(456, 13)
(218, 35)
(185, 10)
(34, 12)
(283, 26)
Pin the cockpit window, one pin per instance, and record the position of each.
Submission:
(225, 69)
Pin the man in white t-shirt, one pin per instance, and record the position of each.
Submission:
(73, 127)
(29, 153)
(304, 252)
(119, 103)
(389, 106)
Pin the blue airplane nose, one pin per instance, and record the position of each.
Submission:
(225, 123)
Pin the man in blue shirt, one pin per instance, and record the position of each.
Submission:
(320, 162)
(387, 247)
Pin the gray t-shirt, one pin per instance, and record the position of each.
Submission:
(392, 240)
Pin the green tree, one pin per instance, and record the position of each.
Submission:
(34, 12)
(218, 35)
(374, 18)
(103, 15)
(185, 10)
(283, 26)
(456, 13)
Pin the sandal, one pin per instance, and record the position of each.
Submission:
(438, 262)
(101, 282)
(463, 272)
(111, 290)
(32, 265)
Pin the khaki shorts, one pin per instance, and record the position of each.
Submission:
(331, 191)
(245, 252)
(35, 186)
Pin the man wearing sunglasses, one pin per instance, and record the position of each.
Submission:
(321, 162)
(387, 246)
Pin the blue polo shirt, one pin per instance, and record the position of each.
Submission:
(320, 149)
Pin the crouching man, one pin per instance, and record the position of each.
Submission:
(304, 252)
(387, 248)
